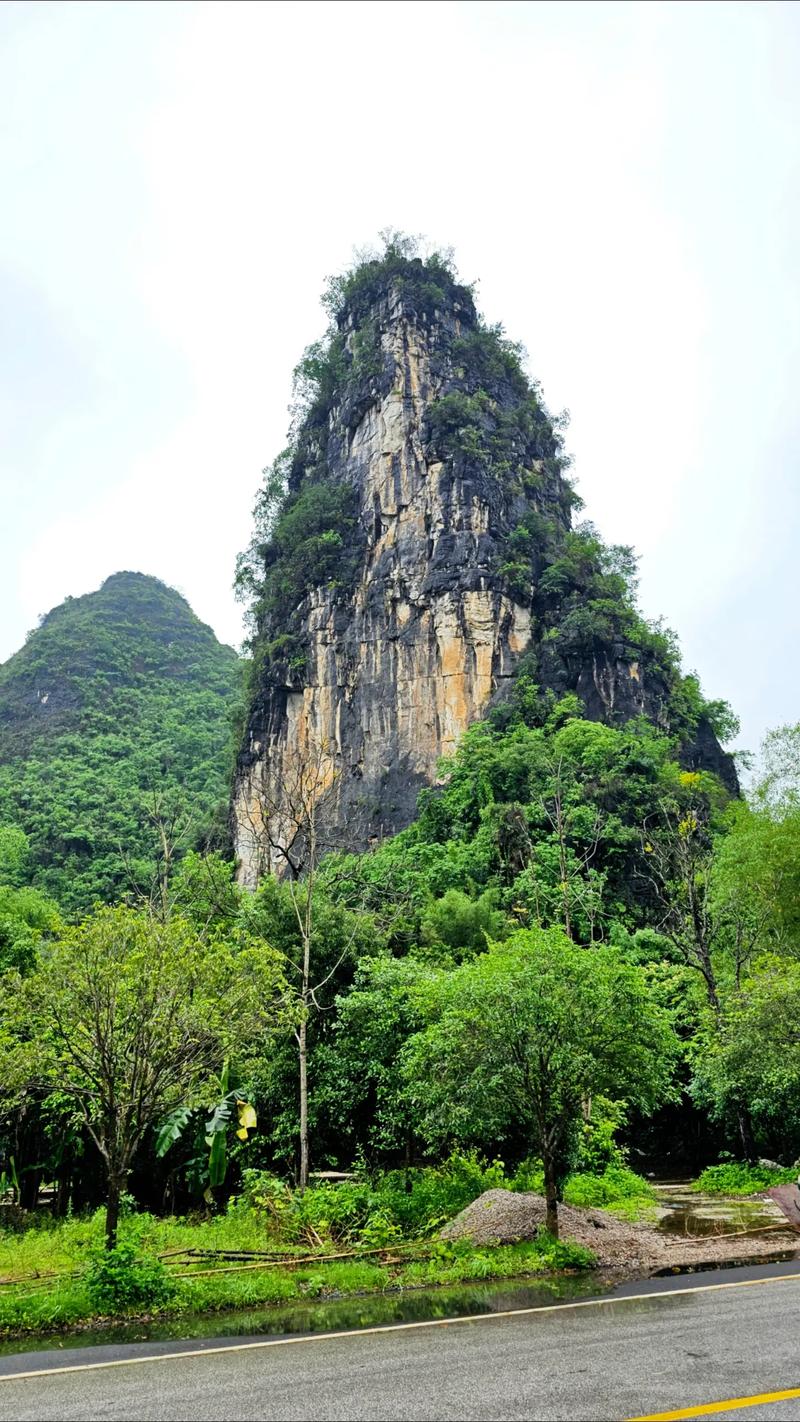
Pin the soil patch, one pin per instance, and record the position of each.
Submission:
(506, 1216)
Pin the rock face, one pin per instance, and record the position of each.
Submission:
(453, 466)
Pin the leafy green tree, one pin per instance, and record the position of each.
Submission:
(460, 926)
(14, 853)
(131, 1016)
(361, 1089)
(27, 917)
(528, 1032)
(754, 1056)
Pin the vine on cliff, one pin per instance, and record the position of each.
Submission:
(487, 420)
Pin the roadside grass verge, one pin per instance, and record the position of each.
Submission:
(52, 1304)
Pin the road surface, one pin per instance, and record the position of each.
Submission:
(675, 1347)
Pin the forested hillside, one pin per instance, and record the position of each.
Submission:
(119, 703)
(501, 915)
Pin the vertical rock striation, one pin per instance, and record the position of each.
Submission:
(450, 473)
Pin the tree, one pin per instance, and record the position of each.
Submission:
(361, 1088)
(755, 1055)
(131, 1016)
(529, 1031)
(677, 846)
(287, 832)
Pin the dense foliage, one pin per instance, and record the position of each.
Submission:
(117, 708)
(581, 956)
(486, 420)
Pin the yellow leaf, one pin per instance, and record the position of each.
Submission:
(247, 1117)
(242, 1133)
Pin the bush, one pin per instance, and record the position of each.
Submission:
(421, 1200)
(737, 1178)
(119, 1279)
(452, 1261)
(411, 1203)
(616, 1186)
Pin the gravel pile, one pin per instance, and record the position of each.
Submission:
(505, 1217)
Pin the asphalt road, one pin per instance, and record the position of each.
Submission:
(687, 1347)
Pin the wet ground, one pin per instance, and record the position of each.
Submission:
(400, 1306)
(682, 1210)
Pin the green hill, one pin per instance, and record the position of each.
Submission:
(117, 697)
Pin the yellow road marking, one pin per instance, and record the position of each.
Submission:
(704, 1409)
(389, 1328)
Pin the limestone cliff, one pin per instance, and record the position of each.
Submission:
(420, 549)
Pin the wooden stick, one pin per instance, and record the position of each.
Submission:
(788, 1227)
(284, 1263)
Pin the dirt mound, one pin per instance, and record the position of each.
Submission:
(505, 1217)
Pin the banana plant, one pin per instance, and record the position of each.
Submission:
(217, 1126)
(9, 1180)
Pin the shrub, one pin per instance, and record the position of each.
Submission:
(423, 1199)
(737, 1178)
(453, 1261)
(119, 1279)
(616, 1186)
(410, 1203)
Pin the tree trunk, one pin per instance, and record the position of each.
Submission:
(61, 1192)
(550, 1191)
(115, 1184)
(409, 1161)
(302, 1040)
(29, 1189)
(746, 1134)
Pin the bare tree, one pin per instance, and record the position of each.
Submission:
(573, 867)
(170, 819)
(285, 828)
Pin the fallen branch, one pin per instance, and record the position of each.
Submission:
(289, 1263)
(786, 1227)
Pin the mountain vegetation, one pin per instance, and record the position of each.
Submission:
(115, 719)
(578, 961)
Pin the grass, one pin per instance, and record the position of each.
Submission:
(737, 1178)
(399, 1214)
(619, 1190)
(53, 1304)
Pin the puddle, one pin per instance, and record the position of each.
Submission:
(685, 1211)
(408, 1306)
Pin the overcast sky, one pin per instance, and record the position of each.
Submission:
(623, 179)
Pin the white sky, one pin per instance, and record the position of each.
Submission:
(178, 179)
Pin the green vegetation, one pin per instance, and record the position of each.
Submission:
(152, 1268)
(738, 1178)
(125, 1020)
(121, 1280)
(656, 960)
(524, 1034)
(618, 1189)
(116, 712)
(583, 950)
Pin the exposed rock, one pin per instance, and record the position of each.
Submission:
(399, 661)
